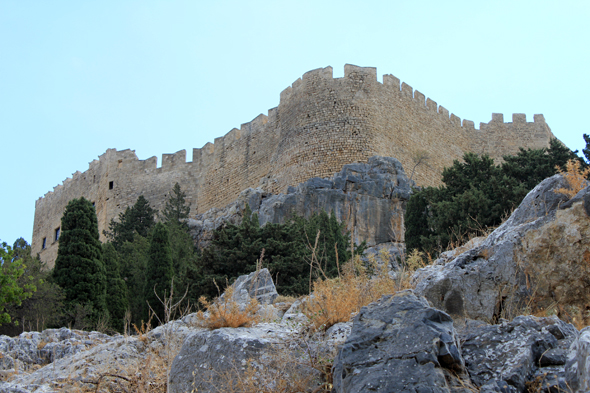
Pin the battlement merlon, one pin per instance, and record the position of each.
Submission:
(520, 118)
(170, 161)
(352, 71)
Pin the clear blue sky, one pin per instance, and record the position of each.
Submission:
(79, 77)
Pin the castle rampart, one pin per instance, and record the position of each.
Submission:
(320, 124)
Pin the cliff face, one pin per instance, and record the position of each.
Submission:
(369, 197)
(320, 124)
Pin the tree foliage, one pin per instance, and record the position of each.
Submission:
(476, 195)
(139, 218)
(159, 271)
(117, 303)
(11, 291)
(175, 213)
(176, 209)
(79, 268)
(44, 308)
(586, 150)
(237, 249)
(134, 260)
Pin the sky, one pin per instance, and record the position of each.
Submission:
(80, 77)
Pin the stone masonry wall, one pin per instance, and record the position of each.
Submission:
(321, 124)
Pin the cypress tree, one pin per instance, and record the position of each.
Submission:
(133, 261)
(176, 209)
(117, 303)
(159, 271)
(175, 213)
(79, 268)
(586, 150)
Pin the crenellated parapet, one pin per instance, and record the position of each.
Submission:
(320, 124)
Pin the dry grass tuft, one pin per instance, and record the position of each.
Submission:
(225, 312)
(285, 299)
(339, 299)
(575, 176)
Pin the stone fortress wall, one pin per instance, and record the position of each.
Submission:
(320, 124)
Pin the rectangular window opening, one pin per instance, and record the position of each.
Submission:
(44, 243)
(57, 234)
(111, 185)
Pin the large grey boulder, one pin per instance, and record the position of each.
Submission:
(207, 357)
(370, 197)
(540, 252)
(512, 354)
(256, 285)
(399, 344)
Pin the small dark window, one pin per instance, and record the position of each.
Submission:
(57, 234)
(111, 185)
(44, 243)
(93, 204)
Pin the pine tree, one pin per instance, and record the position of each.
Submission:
(477, 195)
(139, 218)
(117, 302)
(236, 250)
(79, 268)
(159, 271)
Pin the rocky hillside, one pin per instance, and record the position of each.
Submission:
(501, 314)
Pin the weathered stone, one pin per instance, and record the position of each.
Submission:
(258, 285)
(578, 362)
(540, 249)
(513, 352)
(208, 355)
(294, 316)
(93, 355)
(34, 348)
(398, 344)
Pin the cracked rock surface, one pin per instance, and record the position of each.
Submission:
(400, 344)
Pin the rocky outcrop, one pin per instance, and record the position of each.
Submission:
(399, 344)
(526, 351)
(31, 349)
(256, 285)
(59, 360)
(539, 258)
(369, 197)
(402, 344)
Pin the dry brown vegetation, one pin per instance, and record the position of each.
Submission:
(575, 177)
(339, 299)
(225, 312)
